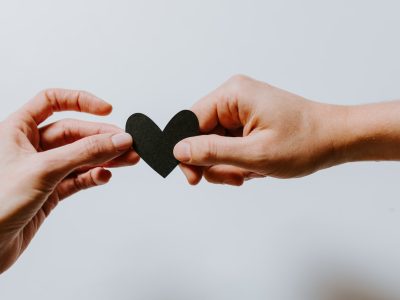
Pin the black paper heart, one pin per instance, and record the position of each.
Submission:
(156, 146)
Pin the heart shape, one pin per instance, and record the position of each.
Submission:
(156, 147)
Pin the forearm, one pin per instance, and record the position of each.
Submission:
(366, 132)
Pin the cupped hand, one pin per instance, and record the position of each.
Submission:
(41, 166)
(252, 129)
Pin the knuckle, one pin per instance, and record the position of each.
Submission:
(49, 206)
(84, 181)
(81, 95)
(238, 81)
(234, 87)
(65, 124)
(79, 184)
(64, 129)
(44, 92)
(209, 152)
(82, 92)
(48, 93)
(93, 148)
(90, 180)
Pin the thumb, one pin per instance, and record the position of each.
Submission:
(207, 150)
(89, 151)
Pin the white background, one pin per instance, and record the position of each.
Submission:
(326, 236)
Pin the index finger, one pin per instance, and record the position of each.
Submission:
(49, 101)
(222, 107)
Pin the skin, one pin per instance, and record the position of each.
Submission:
(250, 130)
(40, 166)
(254, 130)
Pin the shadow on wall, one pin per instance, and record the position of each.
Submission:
(354, 291)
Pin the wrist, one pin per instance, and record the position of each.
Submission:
(331, 135)
(365, 132)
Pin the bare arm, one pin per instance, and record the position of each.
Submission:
(252, 129)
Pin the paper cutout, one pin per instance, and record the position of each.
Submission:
(156, 147)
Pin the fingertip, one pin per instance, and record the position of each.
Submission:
(109, 107)
(129, 158)
(182, 151)
(206, 113)
(101, 176)
(193, 174)
(122, 141)
(225, 174)
(195, 180)
(224, 179)
(106, 108)
(234, 181)
(132, 157)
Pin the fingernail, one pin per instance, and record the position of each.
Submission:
(182, 151)
(122, 141)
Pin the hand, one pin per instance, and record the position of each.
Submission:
(41, 166)
(253, 130)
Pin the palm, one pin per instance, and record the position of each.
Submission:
(28, 140)
(25, 138)
(44, 165)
